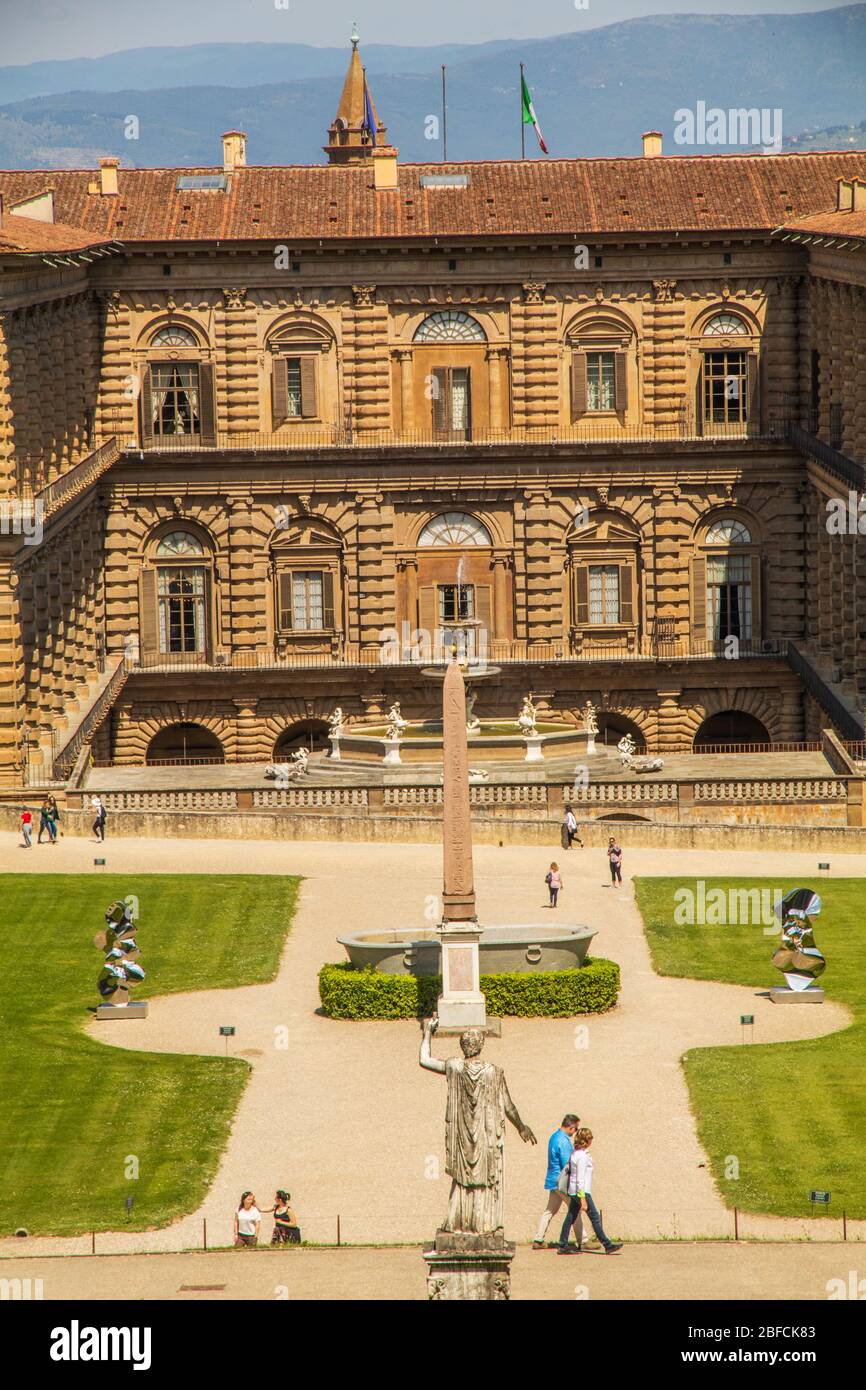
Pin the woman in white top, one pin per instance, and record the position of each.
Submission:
(580, 1197)
(247, 1221)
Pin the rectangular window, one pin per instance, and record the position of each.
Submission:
(452, 402)
(181, 609)
(308, 608)
(604, 594)
(175, 398)
(726, 388)
(293, 386)
(601, 380)
(456, 603)
(729, 597)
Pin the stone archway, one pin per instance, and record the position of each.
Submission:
(730, 726)
(311, 734)
(184, 743)
(612, 726)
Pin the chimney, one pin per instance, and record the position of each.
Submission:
(858, 195)
(234, 150)
(844, 195)
(652, 144)
(384, 167)
(108, 176)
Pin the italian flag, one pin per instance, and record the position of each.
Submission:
(529, 116)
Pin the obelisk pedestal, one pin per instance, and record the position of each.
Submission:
(461, 1004)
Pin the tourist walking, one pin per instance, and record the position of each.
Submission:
(560, 1147)
(286, 1229)
(48, 818)
(27, 827)
(614, 857)
(553, 879)
(580, 1197)
(100, 815)
(570, 828)
(248, 1218)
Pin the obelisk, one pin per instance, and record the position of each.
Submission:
(461, 1004)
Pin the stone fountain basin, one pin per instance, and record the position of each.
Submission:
(523, 949)
(427, 748)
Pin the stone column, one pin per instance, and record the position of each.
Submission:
(407, 403)
(497, 369)
(248, 735)
(501, 606)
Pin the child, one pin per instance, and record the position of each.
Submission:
(27, 826)
(553, 879)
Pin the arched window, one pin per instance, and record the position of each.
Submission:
(175, 598)
(725, 326)
(454, 528)
(726, 583)
(174, 335)
(450, 326)
(177, 391)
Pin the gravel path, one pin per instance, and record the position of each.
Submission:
(345, 1118)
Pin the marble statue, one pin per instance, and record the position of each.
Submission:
(473, 723)
(590, 719)
(396, 722)
(335, 723)
(627, 752)
(477, 1107)
(526, 719)
(797, 956)
(291, 771)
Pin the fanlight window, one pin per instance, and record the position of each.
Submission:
(725, 326)
(728, 532)
(179, 545)
(173, 336)
(454, 528)
(450, 326)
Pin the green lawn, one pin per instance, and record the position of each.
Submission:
(74, 1110)
(793, 1114)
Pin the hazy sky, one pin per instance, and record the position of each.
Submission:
(35, 29)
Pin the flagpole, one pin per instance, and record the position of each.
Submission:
(444, 120)
(522, 125)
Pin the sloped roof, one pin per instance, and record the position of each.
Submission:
(28, 236)
(573, 198)
(828, 224)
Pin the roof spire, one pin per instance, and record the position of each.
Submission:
(356, 37)
(356, 129)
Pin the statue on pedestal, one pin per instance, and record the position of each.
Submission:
(120, 968)
(477, 1108)
(396, 722)
(335, 723)
(797, 956)
(526, 719)
(473, 723)
(627, 751)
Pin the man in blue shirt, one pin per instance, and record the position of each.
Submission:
(559, 1150)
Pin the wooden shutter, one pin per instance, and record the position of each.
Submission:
(428, 610)
(207, 609)
(699, 598)
(581, 589)
(206, 403)
(146, 402)
(280, 390)
(626, 595)
(752, 378)
(484, 609)
(468, 402)
(148, 623)
(328, 600)
(700, 427)
(620, 367)
(578, 384)
(284, 600)
(309, 405)
(756, 598)
(441, 401)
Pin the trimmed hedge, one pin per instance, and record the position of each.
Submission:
(368, 994)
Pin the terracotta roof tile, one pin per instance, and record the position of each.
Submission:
(28, 236)
(579, 197)
(830, 224)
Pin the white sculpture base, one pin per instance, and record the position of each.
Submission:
(590, 743)
(461, 1004)
(533, 749)
(810, 995)
(335, 747)
(392, 752)
(131, 1010)
(462, 1268)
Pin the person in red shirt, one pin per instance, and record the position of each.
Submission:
(27, 827)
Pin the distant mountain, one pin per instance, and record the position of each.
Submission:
(837, 137)
(595, 92)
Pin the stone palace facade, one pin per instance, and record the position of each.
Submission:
(270, 436)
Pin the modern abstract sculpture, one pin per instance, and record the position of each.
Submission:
(797, 956)
(120, 969)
